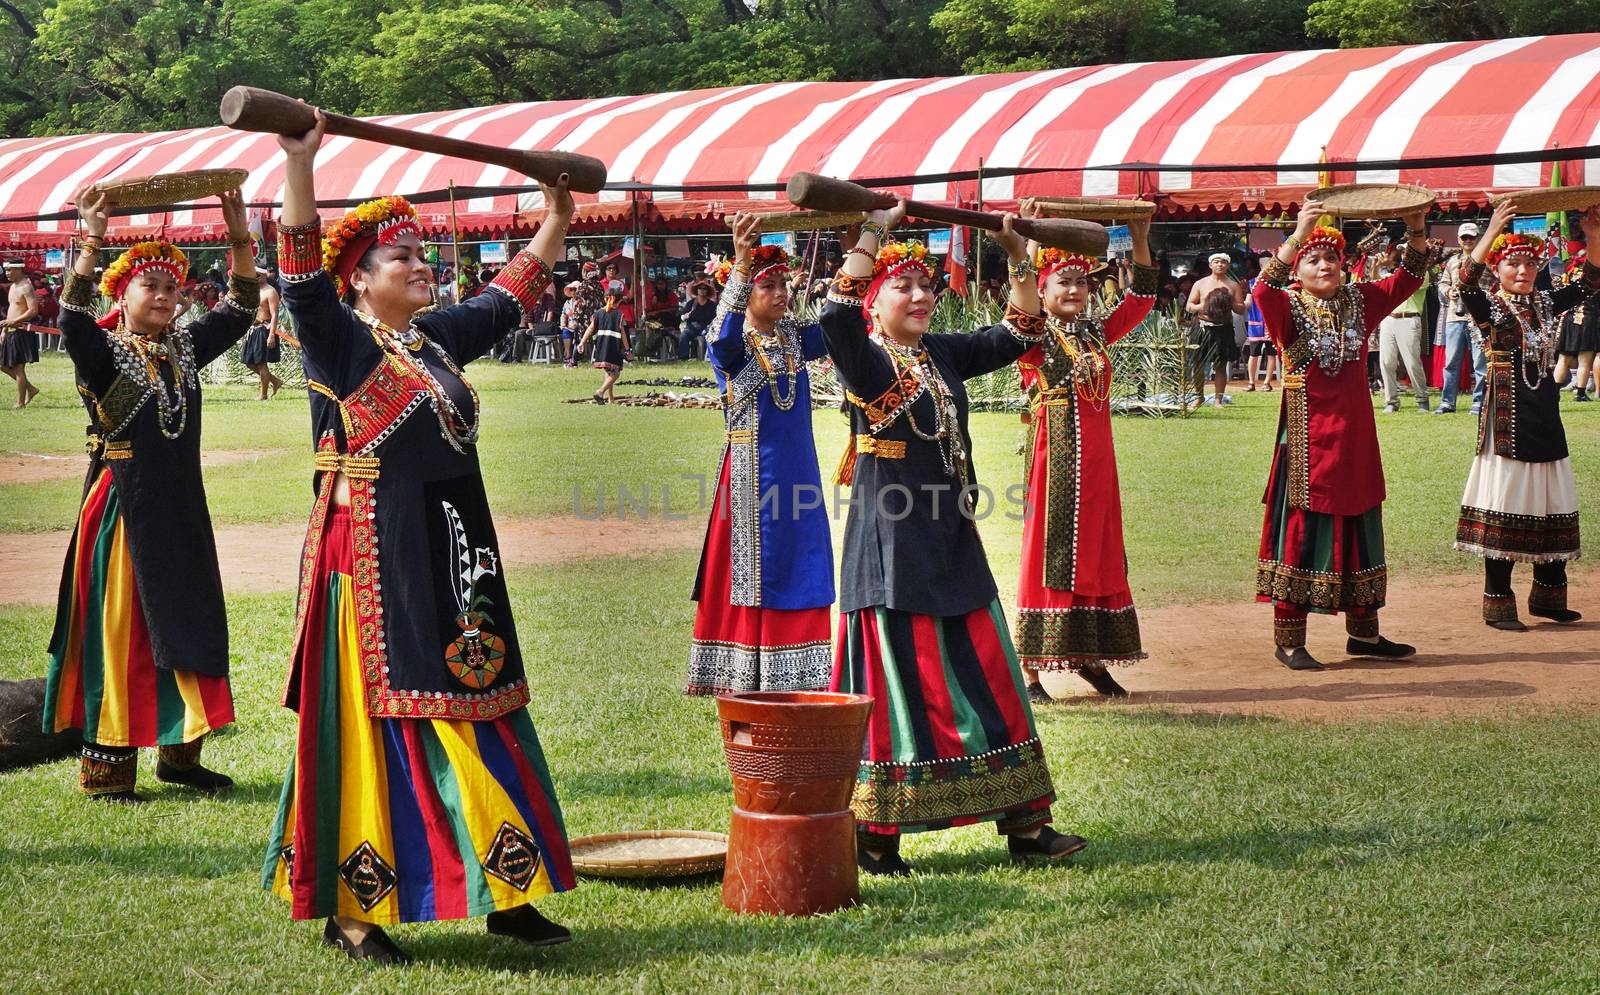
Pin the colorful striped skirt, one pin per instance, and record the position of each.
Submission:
(1319, 562)
(744, 648)
(950, 740)
(403, 820)
(103, 678)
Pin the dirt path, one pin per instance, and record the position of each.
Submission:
(1218, 658)
(1203, 658)
(263, 558)
(30, 468)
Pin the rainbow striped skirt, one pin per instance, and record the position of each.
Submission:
(403, 820)
(103, 678)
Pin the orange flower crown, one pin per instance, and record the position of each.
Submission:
(384, 219)
(895, 256)
(1048, 260)
(1513, 244)
(1322, 236)
(140, 257)
(763, 258)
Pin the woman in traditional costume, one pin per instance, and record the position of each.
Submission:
(608, 330)
(1074, 607)
(765, 583)
(418, 790)
(1521, 502)
(1322, 537)
(1580, 337)
(139, 656)
(950, 738)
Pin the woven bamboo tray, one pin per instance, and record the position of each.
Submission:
(649, 853)
(1090, 208)
(1548, 200)
(806, 220)
(1372, 200)
(171, 188)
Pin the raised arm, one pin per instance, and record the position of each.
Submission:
(308, 292)
(216, 332)
(1138, 287)
(84, 339)
(989, 349)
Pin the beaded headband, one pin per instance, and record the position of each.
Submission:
(142, 256)
(764, 259)
(381, 221)
(1048, 260)
(893, 259)
(1322, 237)
(1512, 244)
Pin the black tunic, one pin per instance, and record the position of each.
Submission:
(1527, 420)
(909, 545)
(433, 555)
(159, 487)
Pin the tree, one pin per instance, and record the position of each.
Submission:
(1360, 23)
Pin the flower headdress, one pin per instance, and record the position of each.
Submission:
(1321, 237)
(140, 257)
(762, 259)
(1048, 260)
(893, 259)
(382, 221)
(1513, 244)
(143, 256)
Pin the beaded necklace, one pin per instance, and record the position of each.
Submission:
(171, 409)
(762, 347)
(946, 435)
(1540, 334)
(1332, 329)
(399, 346)
(1080, 342)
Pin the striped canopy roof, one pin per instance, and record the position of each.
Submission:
(1156, 129)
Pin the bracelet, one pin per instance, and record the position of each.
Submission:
(1020, 270)
(864, 252)
(875, 229)
(1416, 233)
(1293, 242)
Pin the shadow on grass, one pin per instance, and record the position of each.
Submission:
(1338, 691)
(970, 903)
(1292, 849)
(204, 861)
(637, 783)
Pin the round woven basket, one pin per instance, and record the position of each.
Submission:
(171, 188)
(1547, 200)
(1090, 208)
(806, 220)
(1372, 200)
(649, 853)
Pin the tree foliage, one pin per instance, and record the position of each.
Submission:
(100, 65)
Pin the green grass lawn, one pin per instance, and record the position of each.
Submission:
(1227, 854)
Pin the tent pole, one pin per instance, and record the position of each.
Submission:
(455, 241)
(977, 240)
(638, 269)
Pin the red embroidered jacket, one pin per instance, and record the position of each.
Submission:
(1325, 421)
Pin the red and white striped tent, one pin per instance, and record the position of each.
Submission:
(1175, 131)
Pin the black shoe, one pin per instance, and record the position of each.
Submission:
(1101, 680)
(525, 923)
(1565, 616)
(1580, 396)
(1383, 647)
(889, 865)
(196, 777)
(1038, 695)
(1298, 658)
(119, 798)
(377, 947)
(1507, 625)
(1048, 845)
